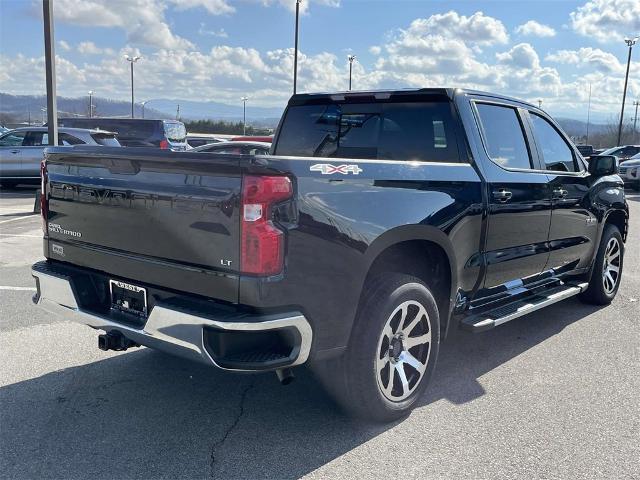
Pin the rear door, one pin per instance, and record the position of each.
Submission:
(519, 197)
(32, 152)
(573, 230)
(11, 154)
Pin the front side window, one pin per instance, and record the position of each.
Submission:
(12, 139)
(504, 136)
(557, 154)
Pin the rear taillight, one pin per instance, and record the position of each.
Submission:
(43, 195)
(164, 145)
(262, 243)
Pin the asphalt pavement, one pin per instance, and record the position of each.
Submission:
(555, 394)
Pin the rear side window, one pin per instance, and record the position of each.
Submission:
(504, 136)
(66, 139)
(557, 154)
(422, 131)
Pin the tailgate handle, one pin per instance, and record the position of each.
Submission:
(123, 167)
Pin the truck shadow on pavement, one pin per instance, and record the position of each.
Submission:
(147, 415)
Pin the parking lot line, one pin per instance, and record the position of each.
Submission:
(18, 289)
(19, 218)
(19, 235)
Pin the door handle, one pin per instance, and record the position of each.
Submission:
(560, 193)
(502, 195)
(15, 151)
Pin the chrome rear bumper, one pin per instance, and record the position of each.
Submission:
(169, 329)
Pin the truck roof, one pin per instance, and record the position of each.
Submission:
(302, 98)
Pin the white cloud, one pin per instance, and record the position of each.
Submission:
(595, 58)
(220, 33)
(90, 48)
(64, 45)
(214, 7)
(142, 20)
(522, 55)
(304, 5)
(607, 20)
(477, 28)
(535, 29)
(375, 50)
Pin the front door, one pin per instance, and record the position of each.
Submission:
(519, 199)
(573, 231)
(11, 154)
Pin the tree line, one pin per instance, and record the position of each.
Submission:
(222, 127)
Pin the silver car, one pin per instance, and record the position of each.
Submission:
(21, 149)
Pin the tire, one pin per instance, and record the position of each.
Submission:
(605, 279)
(395, 308)
(636, 186)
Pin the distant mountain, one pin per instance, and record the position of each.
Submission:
(21, 107)
(578, 128)
(216, 111)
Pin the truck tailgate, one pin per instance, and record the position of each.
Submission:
(161, 218)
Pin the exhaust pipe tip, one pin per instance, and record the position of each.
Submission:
(285, 376)
(103, 342)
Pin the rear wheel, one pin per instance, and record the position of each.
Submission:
(607, 270)
(392, 353)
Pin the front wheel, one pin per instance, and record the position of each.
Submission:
(607, 269)
(392, 353)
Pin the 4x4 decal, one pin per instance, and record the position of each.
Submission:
(328, 169)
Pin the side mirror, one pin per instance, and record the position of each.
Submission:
(603, 165)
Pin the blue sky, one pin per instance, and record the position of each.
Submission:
(223, 49)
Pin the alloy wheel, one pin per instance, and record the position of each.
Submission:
(403, 351)
(611, 265)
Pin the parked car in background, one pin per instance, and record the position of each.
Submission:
(585, 150)
(137, 132)
(238, 148)
(624, 152)
(3, 129)
(630, 172)
(198, 139)
(21, 150)
(267, 139)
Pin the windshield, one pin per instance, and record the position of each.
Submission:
(175, 131)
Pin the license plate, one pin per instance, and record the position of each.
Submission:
(128, 298)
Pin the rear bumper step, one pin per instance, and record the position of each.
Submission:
(492, 318)
(241, 343)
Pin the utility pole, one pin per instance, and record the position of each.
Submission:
(351, 59)
(178, 112)
(635, 117)
(630, 43)
(132, 60)
(90, 103)
(295, 54)
(50, 66)
(588, 115)
(539, 103)
(143, 104)
(244, 115)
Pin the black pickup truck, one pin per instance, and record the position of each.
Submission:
(381, 221)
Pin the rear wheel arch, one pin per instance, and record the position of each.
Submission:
(422, 252)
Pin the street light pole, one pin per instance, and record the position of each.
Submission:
(295, 54)
(351, 59)
(132, 60)
(50, 65)
(244, 115)
(635, 116)
(588, 115)
(90, 103)
(630, 43)
(143, 104)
